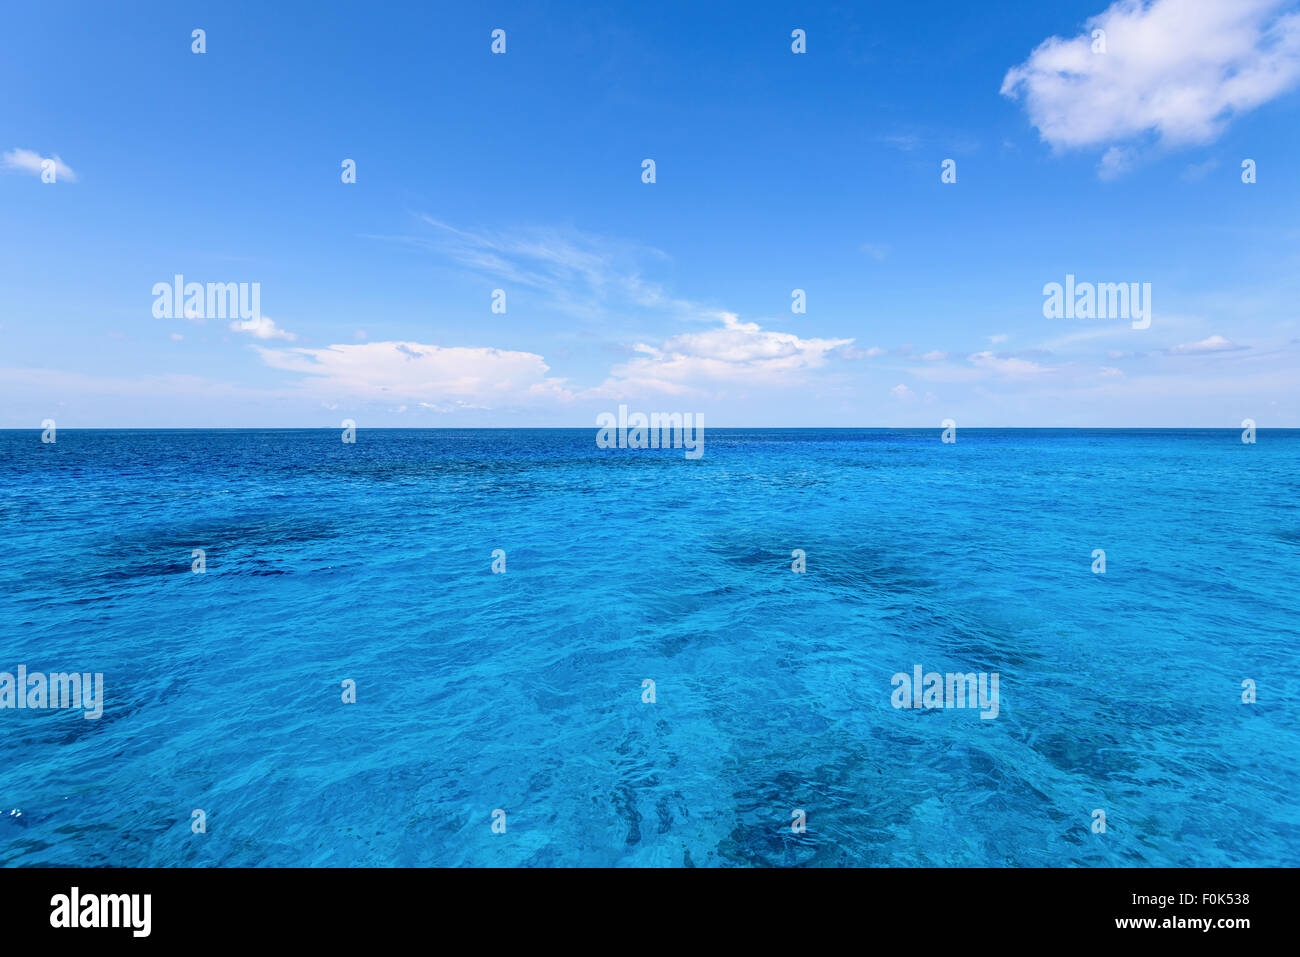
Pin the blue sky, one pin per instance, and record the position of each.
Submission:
(775, 171)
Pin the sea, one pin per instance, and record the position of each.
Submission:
(501, 647)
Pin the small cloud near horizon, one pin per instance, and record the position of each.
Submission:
(1205, 346)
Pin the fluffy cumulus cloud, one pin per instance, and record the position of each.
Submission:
(1177, 70)
(430, 375)
(29, 161)
(734, 353)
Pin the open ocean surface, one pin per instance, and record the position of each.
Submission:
(522, 691)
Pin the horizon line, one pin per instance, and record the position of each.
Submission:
(583, 428)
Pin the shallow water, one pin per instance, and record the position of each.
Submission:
(523, 691)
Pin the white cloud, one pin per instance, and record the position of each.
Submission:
(736, 352)
(263, 327)
(583, 275)
(1009, 366)
(853, 352)
(1175, 69)
(1212, 344)
(1115, 162)
(903, 393)
(441, 377)
(29, 161)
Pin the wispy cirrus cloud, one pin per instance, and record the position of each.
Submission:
(1206, 346)
(29, 161)
(582, 275)
(853, 352)
(1007, 365)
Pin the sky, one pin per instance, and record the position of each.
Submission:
(774, 171)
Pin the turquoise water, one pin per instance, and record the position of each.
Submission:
(522, 691)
